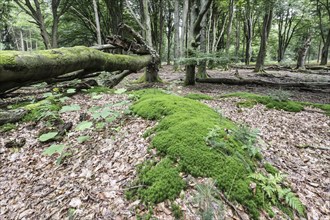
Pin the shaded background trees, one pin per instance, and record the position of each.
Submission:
(246, 31)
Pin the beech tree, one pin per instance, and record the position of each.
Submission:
(267, 22)
(34, 9)
(323, 11)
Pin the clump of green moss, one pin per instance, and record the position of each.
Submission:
(7, 127)
(47, 108)
(161, 181)
(196, 140)
(196, 96)
(270, 102)
(270, 168)
(181, 137)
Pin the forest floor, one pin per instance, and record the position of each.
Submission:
(91, 183)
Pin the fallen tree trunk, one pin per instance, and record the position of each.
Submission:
(302, 85)
(18, 69)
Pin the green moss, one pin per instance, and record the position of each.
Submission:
(324, 107)
(181, 137)
(176, 210)
(270, 168)
(269, 102)
(161, 182)
(99, 90)
(45, 108)
(7, 127)
(198, 96)
(195, 139)
(273, 102)
(247, 103)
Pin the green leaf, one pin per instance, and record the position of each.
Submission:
(120, 103)
(100, 125)
(53, 149)
(82, 139)
(47, 94)
(84, 125)
(120, 91)
(47, 136)
(70, 108)
(97, 96)
(63, 99)
(105, 113)
(71, 91)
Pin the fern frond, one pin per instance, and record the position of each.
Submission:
(295, 203)
(259, 177)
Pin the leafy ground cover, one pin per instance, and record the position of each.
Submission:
(105, 145)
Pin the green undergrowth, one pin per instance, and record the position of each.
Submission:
(99, 90)
(44, 109)
(7, 127)
(194, 139)
(274, 102)
(196, 96)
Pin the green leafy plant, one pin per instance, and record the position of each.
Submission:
(60, 149)
(7, 127)
(206, 198)
(272, 188)
(176, 210)
(70, 108)
(48, 136)
(84, 125)
(83, 139)
(120, 91)
(280, 95)
(248, 138)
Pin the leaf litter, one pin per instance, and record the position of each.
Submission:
(91, 183)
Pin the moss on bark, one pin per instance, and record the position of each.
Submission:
(22, 67)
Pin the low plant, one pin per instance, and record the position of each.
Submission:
(196, 96)
(60, 150)
(280, 95)
(271, 186)
(206, 198)
(176, 210)
(7, 127)
(248, 138)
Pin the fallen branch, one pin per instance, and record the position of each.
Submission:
(232, 81)
(19, 69)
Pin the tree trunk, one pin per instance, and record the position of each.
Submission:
(202, 64)
(177, 34)
(196, 19)
(248, 29)
(97, 21)
(264, 39)
(325, 50)
(230, 24)
(184, 27)
(22, 68)
(146, 16)
(303, 51)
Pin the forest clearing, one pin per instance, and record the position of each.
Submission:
(161, 109)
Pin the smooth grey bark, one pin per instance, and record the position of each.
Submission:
(202, 64)
(264, 38)
(230, 24)
(325, 50)
(302, 52)
(177, 33)
(97, 22)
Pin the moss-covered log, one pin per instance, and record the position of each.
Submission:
(21, 68)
